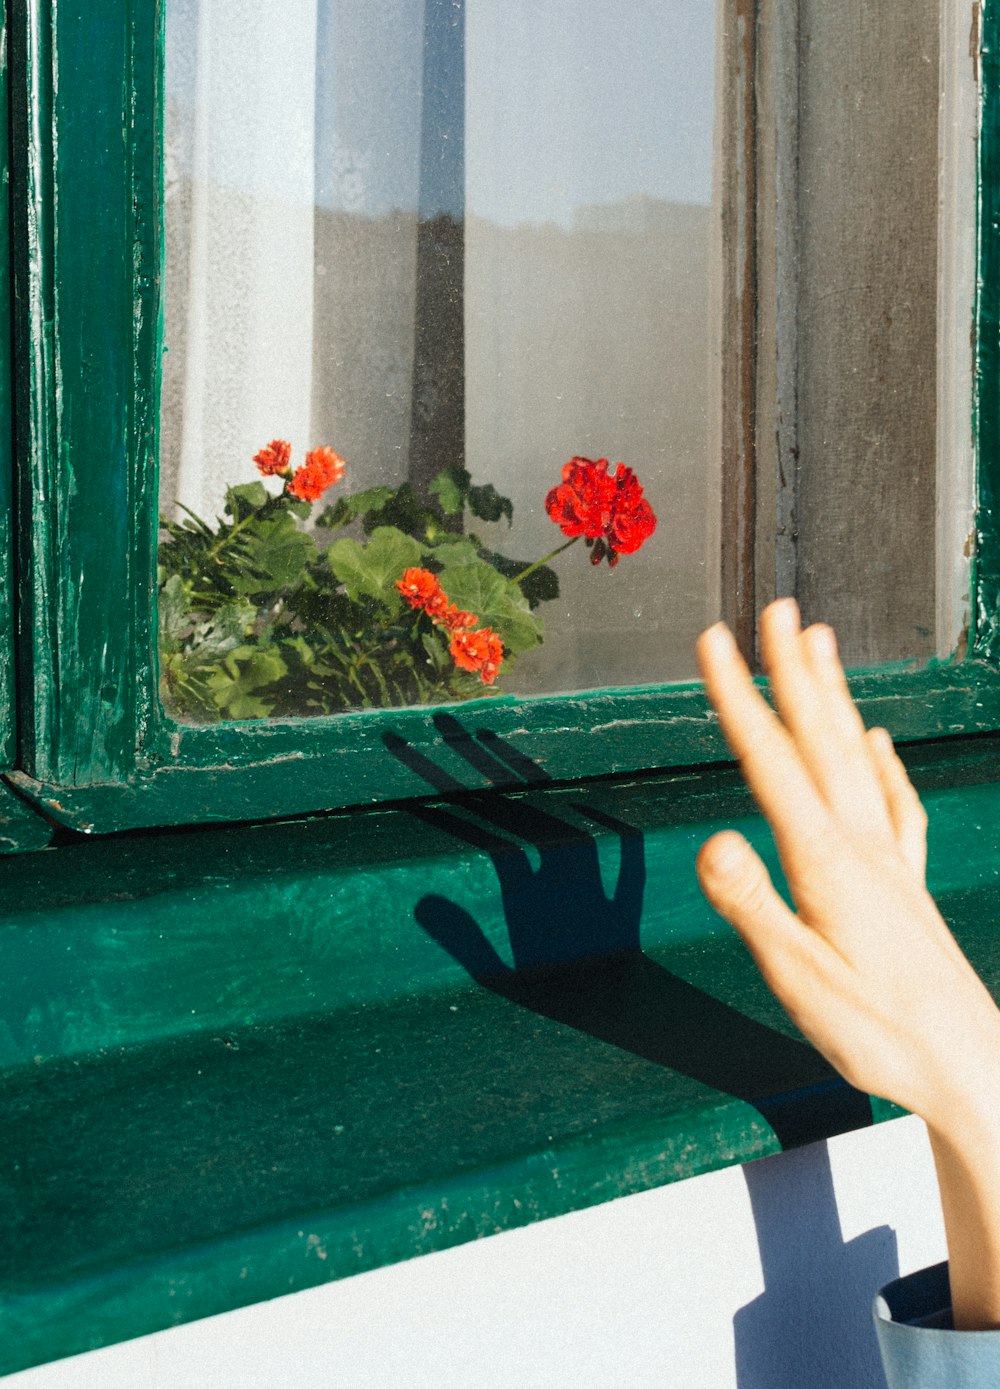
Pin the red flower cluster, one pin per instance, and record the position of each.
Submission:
(608, 510)
(480, 652)
(275, 458)
(322, 468)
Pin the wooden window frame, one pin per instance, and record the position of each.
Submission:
(94, 748)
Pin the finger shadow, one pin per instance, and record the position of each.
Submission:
(577, 958)
(814, 1279)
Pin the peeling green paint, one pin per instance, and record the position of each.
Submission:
(95, 748)
(235, 1062)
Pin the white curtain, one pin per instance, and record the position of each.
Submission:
(239, 220)
(290, 219)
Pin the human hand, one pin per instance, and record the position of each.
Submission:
(867, 968)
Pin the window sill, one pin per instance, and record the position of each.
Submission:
(238, 1062)
(277, 768)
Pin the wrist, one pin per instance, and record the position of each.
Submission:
(954, 1074)
(962, 1104)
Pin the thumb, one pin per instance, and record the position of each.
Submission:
(737, 884)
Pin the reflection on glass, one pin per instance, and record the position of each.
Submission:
(438, 307)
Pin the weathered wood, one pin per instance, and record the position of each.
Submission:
(987, 616)
(87, 379)
(251, 1061)
(738, 166)
(776, 384)
(285, 767)
(8, 559)
(868, 139)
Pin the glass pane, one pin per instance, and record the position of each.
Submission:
(440, 301)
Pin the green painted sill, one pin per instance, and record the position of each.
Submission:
(238, 1062)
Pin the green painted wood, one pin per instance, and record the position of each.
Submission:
(96, 750)
(85, 275)
(7, 675)
(22, 826)
(242, 1061)
(228, 773)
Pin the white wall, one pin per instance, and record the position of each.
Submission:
(757, 1278)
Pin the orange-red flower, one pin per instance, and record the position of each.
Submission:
(583, 501)
(418, 587)
(422, 590)
(480, 652)
(437, 605)
(608, 510)
(455, 619)
(274, 458)
(322, 468)
(633, 520)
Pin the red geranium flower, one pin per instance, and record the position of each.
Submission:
(480, 652)
(633, 520)
(455, 619)
(582, 503)
(437, 604)
(274, 458)
(322, 468)
(418, 587)
(609, 511)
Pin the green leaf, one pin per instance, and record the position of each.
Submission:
(274, 555)
(404, 510)
(541, 585)
(246, 496)
(227, 629)
(347, 509)
(487, 504)
(496, 601)
(175, 609)
(322, 606)
(450, 488)
(370, 569)
(194, 521)
(437, 653)
(237, 685)
(452, 553)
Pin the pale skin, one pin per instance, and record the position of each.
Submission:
(865, 965)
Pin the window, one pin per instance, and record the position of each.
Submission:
(198, 971)
(830, 475)
(462, 252)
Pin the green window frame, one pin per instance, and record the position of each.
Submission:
(138, 962)
(94, 748)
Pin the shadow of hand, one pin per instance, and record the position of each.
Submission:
(556, 912)
(576, 949)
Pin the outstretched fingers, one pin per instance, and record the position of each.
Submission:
(908, 816)
(737, 884)
(812, 697)
(771, 763)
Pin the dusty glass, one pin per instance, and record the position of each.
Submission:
(440, 299)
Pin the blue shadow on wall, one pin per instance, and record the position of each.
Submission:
(811, 1327)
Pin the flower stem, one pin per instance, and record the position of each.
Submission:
(544, 560)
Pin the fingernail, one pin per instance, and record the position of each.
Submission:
(783, 614)
(823, 641)
(718, 635)
(726, 854)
